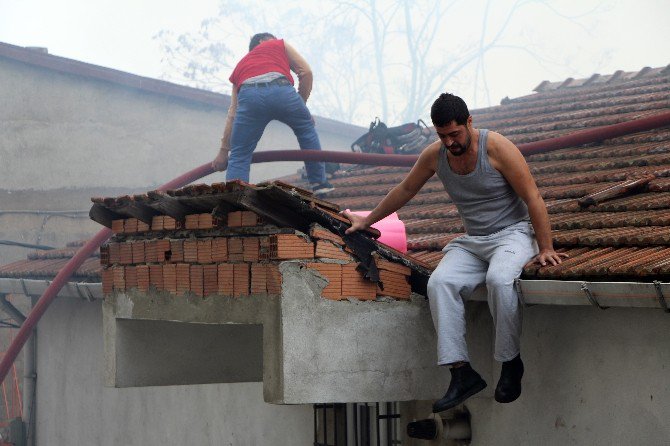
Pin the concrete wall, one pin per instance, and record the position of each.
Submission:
(314, 350)
(64, 130)
(73, 407)
(592, 377)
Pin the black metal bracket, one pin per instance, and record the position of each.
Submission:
(591, 297)
(519, 293)
(661, 298)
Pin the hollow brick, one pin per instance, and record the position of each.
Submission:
(219, 249)
(183, 277)
(225, 279)
(157, 223)
(205, 250)
(197, 280)
(107, 281)
(241, 280)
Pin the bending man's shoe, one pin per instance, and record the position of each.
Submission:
(509, 385)
(465, 382)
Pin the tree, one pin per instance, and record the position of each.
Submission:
(370, 57)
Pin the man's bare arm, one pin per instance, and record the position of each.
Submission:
(221, 160)
(301, 68)
(423, 169)
(508, 160)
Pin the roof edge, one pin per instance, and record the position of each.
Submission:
(75, 67)
(599, 294)
(30, 287)
(219, 100)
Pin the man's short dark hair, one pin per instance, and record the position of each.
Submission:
(449, 108)
(256, 39)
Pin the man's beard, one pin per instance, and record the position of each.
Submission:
(457, 149)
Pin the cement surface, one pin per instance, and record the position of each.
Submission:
(74, 408)
(314, 350)
(592, 377)
(80, 132)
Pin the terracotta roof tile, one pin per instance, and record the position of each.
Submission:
(625, 236)
(48, 268)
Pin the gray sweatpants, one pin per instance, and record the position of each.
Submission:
(495, 260)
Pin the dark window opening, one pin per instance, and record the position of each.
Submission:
(357, 424)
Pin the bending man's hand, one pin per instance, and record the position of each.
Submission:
(550, 257)
(221, 160)
(358, 223)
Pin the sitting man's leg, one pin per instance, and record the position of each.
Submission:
(516, 248)
(454, 279)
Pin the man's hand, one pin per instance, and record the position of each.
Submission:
(358, 223)
(221, 160)
(549, 256)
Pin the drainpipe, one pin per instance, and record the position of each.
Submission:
(30, 384)
(29, 369)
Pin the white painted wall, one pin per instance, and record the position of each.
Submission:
(592, 378)
(73, 407)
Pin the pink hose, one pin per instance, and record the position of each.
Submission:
(578, 138)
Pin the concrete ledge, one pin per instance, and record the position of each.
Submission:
(313, 350)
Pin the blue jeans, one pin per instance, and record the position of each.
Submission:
(256, 107)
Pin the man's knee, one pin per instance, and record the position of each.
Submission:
(439, 282)
(500, 278)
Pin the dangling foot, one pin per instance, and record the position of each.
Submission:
(509, 385)
(465, 382)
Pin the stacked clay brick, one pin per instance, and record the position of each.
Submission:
(234, 265)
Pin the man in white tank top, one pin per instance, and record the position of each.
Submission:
(507, 224)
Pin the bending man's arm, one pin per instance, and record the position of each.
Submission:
(301, 68)
(423, 169)
(221, 160)
(509, 161)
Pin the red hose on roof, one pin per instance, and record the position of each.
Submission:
(547, 145)
(596, 134)
(578, 138)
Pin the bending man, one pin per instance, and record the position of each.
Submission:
(263, 91)
(488, 180)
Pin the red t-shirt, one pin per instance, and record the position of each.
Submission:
(266, 57)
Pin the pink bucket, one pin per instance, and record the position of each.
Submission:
(392, 229)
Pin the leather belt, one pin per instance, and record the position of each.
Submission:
(278, 81)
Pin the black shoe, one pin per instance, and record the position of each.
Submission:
(509, 385)
(465, 382)
(322, 188)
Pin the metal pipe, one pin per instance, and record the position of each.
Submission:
(30, 384)
(11, 310)
(29, 369)
(25, 245)
(65, 213)
(582, 137)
